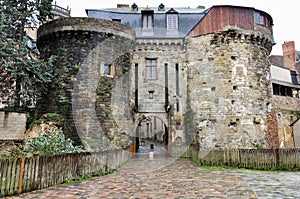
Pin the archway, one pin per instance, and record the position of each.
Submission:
(151, 135)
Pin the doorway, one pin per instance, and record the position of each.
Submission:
(151, 135)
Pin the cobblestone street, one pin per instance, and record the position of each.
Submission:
(273, 184)
(145, 177)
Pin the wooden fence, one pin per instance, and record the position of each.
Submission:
(243, 158)
(27, 174)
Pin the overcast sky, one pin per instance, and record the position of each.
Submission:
(284, 13)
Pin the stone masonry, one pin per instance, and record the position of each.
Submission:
(228, 88)
(12, 126)
(82, 92)
(210, 89)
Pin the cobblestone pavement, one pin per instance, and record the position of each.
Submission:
(145, 177)
(273, 185)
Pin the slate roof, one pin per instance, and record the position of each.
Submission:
(187, 20)
(277, 60)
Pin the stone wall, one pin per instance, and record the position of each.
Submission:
(223, 97)
(228, 89)
(287, 111)
(169, 54)
(12, 126)
(81, 91)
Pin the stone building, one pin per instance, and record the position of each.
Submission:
(286, 98)
(171, 75)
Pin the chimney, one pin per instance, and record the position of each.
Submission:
(289, 54)
(123, 6)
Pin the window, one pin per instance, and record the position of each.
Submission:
(151, 94)
(282, 90)
(161, 7)
(134, 7)
(151, 68)
(263, 20)
(107, 69)
(294, 76)
(148, 130)
(147, 19)
(117, 20)
(267, 75)
(172, 21)
(177, 78)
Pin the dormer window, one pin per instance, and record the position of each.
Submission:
(172, 19)
(134, 7)
(262, 19)
(161, 7)
(147, 19)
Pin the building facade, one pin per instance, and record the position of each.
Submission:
(196, 76)
(286, 89)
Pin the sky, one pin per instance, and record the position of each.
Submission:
(284, 13)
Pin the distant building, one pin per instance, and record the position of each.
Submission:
(57, 12)
(285, 71)
(60, 11)
(31, 34)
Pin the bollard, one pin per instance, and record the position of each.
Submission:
(151, 155)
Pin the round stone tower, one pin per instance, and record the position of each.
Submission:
(228, 77)
(91, 63)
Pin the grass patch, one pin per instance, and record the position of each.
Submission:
(214, 167)
(87, 177)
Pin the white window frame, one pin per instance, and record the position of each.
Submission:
(172, 21)
(107, 69)
(151, 69)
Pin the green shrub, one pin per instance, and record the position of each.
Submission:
(50, 143)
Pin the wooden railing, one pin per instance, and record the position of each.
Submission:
(27, 174)
(243, 158)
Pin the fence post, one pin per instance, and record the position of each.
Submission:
(240, 158)
(131, 150)
(20, 184)
(277, 158)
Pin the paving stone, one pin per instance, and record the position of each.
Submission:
(170, 178)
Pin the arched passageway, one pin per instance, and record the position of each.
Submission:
(152, 136)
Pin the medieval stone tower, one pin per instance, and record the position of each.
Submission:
(228, 77)
(170, 75)
(91, 85)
